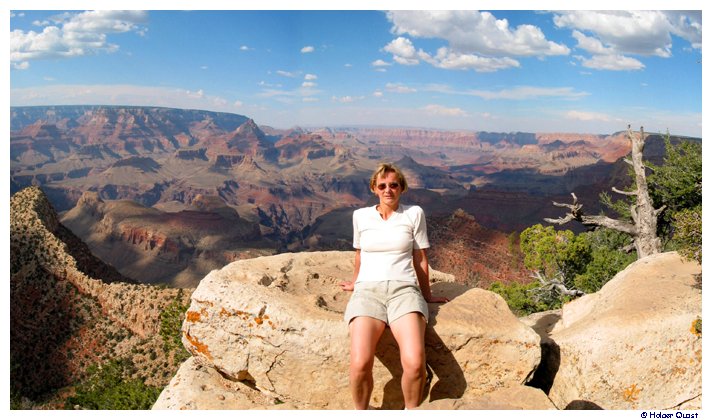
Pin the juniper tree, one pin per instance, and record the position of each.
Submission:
(643, 223)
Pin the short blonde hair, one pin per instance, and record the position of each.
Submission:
(385, 168)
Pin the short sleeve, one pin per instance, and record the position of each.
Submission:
(420, 230)
(357, 233)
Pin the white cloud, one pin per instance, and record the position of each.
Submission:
(76, 35)
(306, 89)
(262, 83)
(516, 93)
(403, 51)
(348, 65)
(587, 116)
(612, 62)
(285, 73)
(347, 99)
(613, 36)
(309, 76)
(399, 88)
(378, 94)
(476, 40)
(197, 94)
(446, 59)
(106, 21)
(310, 99)
(307, 49)
(120, 95)
(488, 116)
(687, 25)
(271, 93)
(624, 32)
(203, 67)
(590, 44)
(22, 65)
(444, 111)
(245, 48)
(473, 32)
(604, 58)
(380, 63)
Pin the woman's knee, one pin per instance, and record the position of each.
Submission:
(361, 363)
(413, 362)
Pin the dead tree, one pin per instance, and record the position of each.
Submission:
(644, 225)
(552, 288)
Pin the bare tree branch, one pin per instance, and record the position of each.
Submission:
(628, 248)
(561, 220)
(643, 229)
(616, 190)
(552, 287)
(607, 222)
(660, 210)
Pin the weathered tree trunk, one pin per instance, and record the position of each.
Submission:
(643, 229)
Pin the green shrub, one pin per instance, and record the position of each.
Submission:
(607, 259)
(550, 252)
(171, 321)
(604, 265)
(519, 298)
(687, 225)
(109, 388)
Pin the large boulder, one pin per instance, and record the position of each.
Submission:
(276, 324)
(515, 397)
(632, 344)
(196, 387)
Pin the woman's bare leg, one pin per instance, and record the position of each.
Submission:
(409, 332)
(365, 333)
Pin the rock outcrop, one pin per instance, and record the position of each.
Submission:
(632, 345)
(276, 323)
(268, 333)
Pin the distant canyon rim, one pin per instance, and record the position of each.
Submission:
(166, 195)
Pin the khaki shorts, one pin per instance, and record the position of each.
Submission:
(385, 300)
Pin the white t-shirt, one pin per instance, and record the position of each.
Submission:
(387, 245)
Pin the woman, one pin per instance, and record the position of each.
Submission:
(390, 240)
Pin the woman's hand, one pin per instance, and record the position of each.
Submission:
(347, 286)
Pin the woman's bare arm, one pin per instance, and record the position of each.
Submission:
(349, 286)
(420, 262)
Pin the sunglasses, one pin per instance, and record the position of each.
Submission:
(393, 185)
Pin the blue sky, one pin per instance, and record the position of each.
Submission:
(498, 70)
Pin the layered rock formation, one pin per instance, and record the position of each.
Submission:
(276, 323)
(475, 255)
(174, 248)
(633, 345)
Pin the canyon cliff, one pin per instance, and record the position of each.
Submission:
(70, 311)
(166, 195)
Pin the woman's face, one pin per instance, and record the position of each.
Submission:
(388, 189)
